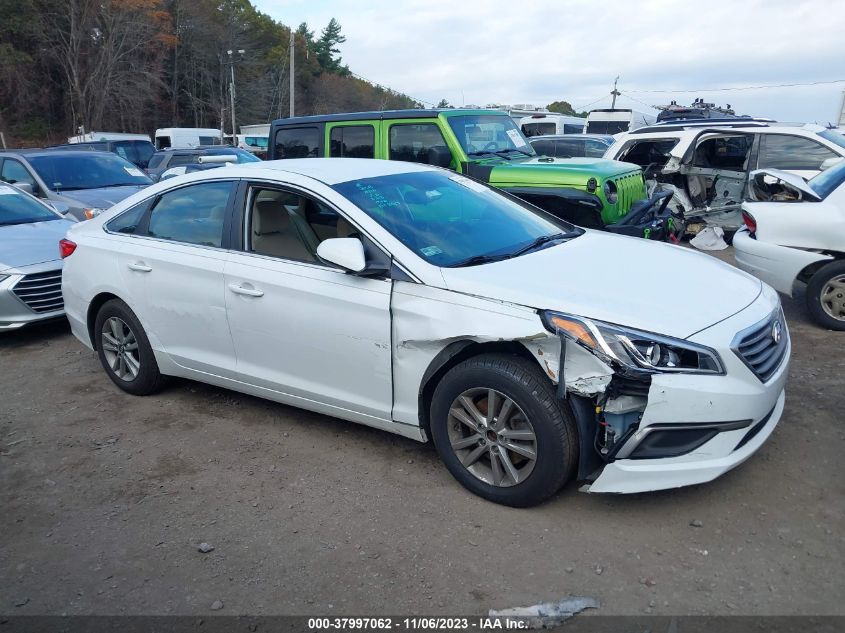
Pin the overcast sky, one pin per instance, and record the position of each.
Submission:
(539, 51)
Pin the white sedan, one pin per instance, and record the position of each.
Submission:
(421, 302)
(795, 235)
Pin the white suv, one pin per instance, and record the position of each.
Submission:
(707, 166)
(418, 301)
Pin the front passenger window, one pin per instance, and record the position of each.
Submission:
(194, 214)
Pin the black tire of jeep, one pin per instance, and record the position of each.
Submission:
(813, 297)
(553, 423)
(149, 379)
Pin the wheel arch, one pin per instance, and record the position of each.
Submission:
(93, 308)
(450, 356)
(811, 269)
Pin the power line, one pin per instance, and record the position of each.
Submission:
(811, 83)
(377, 85)
(627, 96)
(584, 107)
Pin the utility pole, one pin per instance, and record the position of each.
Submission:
(291, 56)
(232, 94)
(614, 93)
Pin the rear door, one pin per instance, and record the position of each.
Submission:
(178, 260)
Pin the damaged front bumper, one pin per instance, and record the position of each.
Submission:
(672, 429)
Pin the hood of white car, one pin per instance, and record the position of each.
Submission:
(647, 285)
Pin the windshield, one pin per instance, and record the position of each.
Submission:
(84, 170)
(489, 134)
(243, 155)
(448, 219)
(18, 208)
(828, 180)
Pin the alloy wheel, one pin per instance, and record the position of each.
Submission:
(492, 437)
(120, 348)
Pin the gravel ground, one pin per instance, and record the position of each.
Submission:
(106, 499)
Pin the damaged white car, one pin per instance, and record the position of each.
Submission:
(418, 301)
(795, 235)
(706, 167)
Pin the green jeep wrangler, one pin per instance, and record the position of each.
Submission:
(484, 144)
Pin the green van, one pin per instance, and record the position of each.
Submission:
(484, 144)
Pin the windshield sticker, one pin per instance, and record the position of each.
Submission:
(516, 138)
(376, 196)
(469, 184)
(133, 171)
(430, 251)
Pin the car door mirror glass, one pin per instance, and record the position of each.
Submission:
(346, 252)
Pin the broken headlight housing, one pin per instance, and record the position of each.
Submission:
(635, 349)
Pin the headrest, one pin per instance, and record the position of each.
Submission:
(344, 227)
(269, 217)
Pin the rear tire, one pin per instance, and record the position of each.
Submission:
(490, 453)
(125, 351)
(826, 296)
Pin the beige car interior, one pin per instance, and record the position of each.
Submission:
(279, 226)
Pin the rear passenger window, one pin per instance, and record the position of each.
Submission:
(544, 148)
(784, 151)
(194, 214)
(353, 141)
(181, 159)
(412, 141)
(299, 142)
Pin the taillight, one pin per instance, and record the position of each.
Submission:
(750, 222)
(66, 248)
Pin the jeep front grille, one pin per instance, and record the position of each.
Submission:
(42, 292)
(631, 188)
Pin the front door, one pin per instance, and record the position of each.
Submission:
(300, 327)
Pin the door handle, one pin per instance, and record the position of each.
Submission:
(249, 292)
(141, 268)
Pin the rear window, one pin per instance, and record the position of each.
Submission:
(607, 127)
(353, 141)
(298, 142)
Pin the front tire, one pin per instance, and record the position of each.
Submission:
(501, 431)
(125, 351)
(826, 296)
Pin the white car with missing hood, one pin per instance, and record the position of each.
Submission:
(706, 165)
(418, 301)
(795, 235)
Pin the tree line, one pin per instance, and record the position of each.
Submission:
(138, 65)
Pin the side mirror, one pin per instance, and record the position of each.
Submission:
(26, 187)
(439, 156)
(827, 163)
(61, 207)
(346, 252)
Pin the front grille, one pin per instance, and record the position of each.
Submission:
(760, 348)
(42, 292)
(631, 188)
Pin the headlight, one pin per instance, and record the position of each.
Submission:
(92, 213)
(610, 191)
(636, 349)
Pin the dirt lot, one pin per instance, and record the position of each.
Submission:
(105, 498)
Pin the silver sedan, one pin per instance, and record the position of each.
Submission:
(30, 261)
